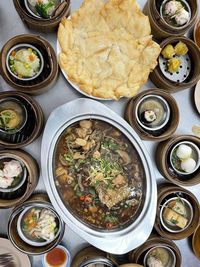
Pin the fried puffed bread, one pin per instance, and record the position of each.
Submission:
(107, 49)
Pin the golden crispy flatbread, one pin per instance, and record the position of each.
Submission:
(107, 49)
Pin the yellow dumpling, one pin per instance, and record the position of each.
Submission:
(181, 49)
(173, 65)
(168, 52)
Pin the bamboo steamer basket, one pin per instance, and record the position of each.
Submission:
(92, 254)
(8, 200)
(33, 127)
(196, 242)
(40, 198)
(163, 163)
(46, 79)
(160, 29)
(161, 81)
(164, 133)
(138, 254)
(167, 190)
(197, 28)
(40, 24)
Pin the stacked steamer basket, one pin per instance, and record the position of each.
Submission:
(15, 226)
(32, 127)
(91, 255)
(22, 122)
(166, 167)
(186, 76)
(170, 80)
(176, 229)
(38, 23)
(140, 254)
(10, 198)
(160, 28)
(49, 73)
(158, 100)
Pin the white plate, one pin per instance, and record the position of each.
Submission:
(19, 259)
(75, 86)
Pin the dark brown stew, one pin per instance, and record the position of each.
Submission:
(99, 174)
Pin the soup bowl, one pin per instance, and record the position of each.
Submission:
(9, 165)
(13, 115)
(154, 102)
(22, 225)
(103, 236)
(167, 253)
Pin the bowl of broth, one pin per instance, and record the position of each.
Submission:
(152, 112)
(38, 225)
(160, 256)
(13, 115)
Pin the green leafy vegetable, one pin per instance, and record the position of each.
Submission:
(68, 157)
(45, 10)
(111, 218)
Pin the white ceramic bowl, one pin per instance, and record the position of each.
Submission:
(189, 10)
(194, 148)
(22, 180)
(24, 237)
(26, 46)
(14, 103)
(34, 12)
(67, 262)
(171, 227)
(172, 262)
